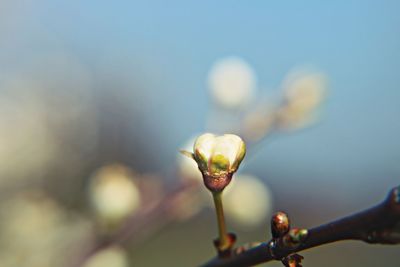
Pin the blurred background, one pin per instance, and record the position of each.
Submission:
(98, 97)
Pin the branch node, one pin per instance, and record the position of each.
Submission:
(225, 252)
(294, 237)
(271, 249)
(378, 224)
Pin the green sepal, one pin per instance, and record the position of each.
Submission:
(219, 164)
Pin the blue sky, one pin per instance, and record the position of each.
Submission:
(171, 45)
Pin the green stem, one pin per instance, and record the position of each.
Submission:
(223, 236)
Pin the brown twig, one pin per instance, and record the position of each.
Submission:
(379, 224)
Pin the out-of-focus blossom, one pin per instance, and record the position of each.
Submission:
(247, 202)
(190, 202)
(187, 167)
(46, 105)
(303, 94)
(26, 144)
(37, 232)
(258, 122)
(109, 257)
(232, 82)
(113, 193)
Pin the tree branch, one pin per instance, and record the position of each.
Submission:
(379, 224)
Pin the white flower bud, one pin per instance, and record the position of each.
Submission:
(218, 154)
(218, 157)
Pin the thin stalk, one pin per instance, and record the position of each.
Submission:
(223, 236)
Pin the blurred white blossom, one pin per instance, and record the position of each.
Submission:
(187, 167)
(259, 122)
(35, 231)
(26, 144)
(46, 105)
(110, 257)
(247, 201)
(113, 193)
(303, 94)
(190, 202)
(232, 82)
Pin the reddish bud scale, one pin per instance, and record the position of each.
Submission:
(280, 224)
(217, 183)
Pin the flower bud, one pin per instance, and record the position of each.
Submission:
(218, 158)
(294, 237)
(280, 224)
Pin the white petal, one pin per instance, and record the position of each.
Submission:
(228, 145)
(204, 145)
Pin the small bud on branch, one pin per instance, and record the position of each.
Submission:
(379, 224)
